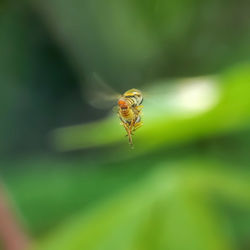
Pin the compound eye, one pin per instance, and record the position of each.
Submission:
(121, 102)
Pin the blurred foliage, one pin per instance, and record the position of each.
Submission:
(157, 212)
(68, 166)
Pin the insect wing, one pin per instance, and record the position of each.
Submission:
(99, 94)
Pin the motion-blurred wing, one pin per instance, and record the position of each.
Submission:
(99, 94)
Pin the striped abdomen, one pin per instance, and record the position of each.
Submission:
(126, 114)
(133, 97)
(131, 101)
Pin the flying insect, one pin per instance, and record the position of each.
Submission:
(130, 111)
(128, 105)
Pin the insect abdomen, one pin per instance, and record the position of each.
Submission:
(127, 114)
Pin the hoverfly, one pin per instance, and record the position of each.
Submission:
(128, 105)
(130, 110)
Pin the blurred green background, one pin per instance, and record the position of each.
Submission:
(73, 179)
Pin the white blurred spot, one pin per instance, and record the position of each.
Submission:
(194, 96)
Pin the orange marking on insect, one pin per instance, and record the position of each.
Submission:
(122, 104)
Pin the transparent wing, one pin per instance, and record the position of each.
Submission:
(99, 94)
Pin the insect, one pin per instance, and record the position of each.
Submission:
(128, 105)
(130, 111)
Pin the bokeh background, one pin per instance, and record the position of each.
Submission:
(67, 169)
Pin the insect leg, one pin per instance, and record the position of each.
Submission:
(139, 108)
(130, 136)
(128, 130)
(137, 125)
